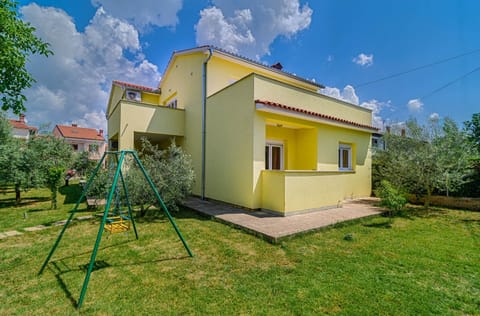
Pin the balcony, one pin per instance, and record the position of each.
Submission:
(296, 191)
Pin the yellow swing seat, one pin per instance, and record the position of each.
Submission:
(117, 224)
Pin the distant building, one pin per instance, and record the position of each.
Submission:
(82, 139)
(20, 129)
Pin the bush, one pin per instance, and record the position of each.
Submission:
(391, 198)
(170, 170)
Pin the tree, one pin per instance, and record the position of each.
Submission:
(472, 130)
(17, 43)
(14, 167)
(391, 198)
(50, 157)
(434, 157)
(171, 171)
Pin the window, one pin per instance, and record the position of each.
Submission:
(75, 147)
(93, 148)
(172, 104)
(344, 157)
(274, 156)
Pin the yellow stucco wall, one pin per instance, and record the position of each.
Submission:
(150, 98)
(143, 118)
(308, 190)
(274, 91)
(229, 154)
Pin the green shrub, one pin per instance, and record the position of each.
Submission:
(390, 197)
(170, 170)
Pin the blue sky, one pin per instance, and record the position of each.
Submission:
(340, 44)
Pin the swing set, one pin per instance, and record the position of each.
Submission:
(117, 220)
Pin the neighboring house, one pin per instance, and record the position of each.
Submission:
(259, 137)
(82, 139)
(20, 129)
(377, 141)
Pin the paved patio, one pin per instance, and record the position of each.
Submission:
(273, 227)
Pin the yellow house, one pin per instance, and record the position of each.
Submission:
(259, 137)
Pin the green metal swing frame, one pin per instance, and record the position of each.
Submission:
(119, 159)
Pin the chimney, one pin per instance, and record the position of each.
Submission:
(403, 132)
(277, 66)
(74, 125)
(388, 129)
(100, 132)
(22, 118)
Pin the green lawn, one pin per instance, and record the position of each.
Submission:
(419, 265)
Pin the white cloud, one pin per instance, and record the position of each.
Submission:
(143, 13)
(434, 116)
(230, 34)
(376, 107)
(347, 94)
(74, 83)
(363, 60)
(249, 27)
(415, 105)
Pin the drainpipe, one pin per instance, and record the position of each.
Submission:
(204, 116)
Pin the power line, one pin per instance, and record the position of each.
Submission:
(418, 68)
(449, 83)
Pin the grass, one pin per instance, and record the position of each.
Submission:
(416, 264)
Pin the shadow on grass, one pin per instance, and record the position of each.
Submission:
(60, 268)
(10, 202)
(384, 224)
(72, 193)
(158, 216)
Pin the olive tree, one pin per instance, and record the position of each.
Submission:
(432, 157)
(170, 170)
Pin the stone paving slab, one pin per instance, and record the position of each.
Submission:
(10, 233)
(35, 228)
(274, 227)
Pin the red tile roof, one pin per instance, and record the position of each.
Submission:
(315, 114)
(134, 86)
(21, 125)
(80, 132)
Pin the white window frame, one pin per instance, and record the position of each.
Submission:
(341, 148)
(270, 144)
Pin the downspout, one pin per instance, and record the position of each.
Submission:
(204, 117)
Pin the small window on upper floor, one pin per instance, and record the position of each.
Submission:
(75, 147)
(172, 104)
(344, 157)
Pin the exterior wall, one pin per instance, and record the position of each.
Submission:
(290, 192)
(229, 146)
(183, 81)
(274, 91)
(312, 178)
(116, 95)
(21, 133)
(137, 117)
(150, 98)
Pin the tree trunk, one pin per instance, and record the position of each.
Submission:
(428, 198)
(18, 198)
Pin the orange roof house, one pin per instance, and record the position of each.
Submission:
(20, 129)
(82, 139)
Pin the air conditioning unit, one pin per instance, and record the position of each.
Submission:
(133, 95)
